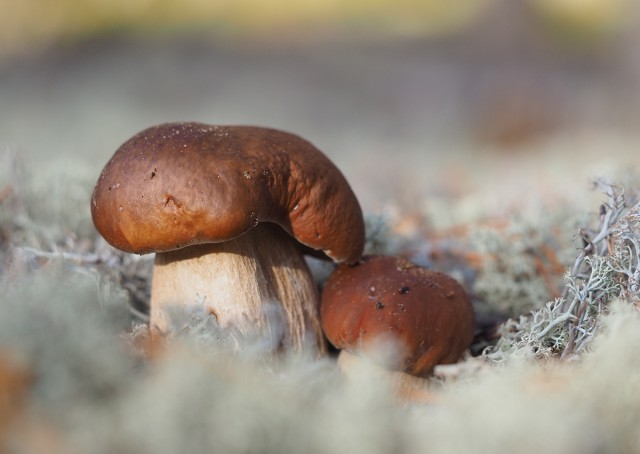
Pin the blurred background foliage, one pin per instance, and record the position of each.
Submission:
(33, 23)
(30, 24)
(429, 82)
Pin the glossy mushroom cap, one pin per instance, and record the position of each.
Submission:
(181, 184)
(425, 316)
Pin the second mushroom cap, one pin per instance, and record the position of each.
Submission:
(397, 313)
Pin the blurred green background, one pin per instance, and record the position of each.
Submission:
(34, 23)
(393, 91)
(38, 22)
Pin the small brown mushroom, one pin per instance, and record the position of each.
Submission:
(402, 317)
(222, 208)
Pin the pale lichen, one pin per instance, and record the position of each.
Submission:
(605, 269)
(513, 278)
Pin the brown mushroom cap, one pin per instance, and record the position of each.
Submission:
(426, 315)
(181, 184)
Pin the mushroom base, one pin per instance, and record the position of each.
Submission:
(406, 387)
(257, 286)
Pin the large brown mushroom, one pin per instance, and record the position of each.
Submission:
(403, 317)
(227, 210)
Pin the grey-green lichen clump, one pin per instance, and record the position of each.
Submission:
(606, 269)
(511, 280)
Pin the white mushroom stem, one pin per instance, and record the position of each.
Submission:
(406, 387)
(257, 285)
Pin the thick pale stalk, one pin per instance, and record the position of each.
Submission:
(257, 285)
